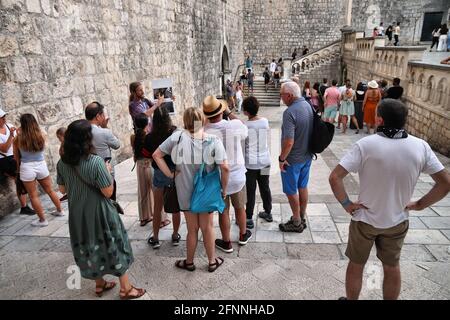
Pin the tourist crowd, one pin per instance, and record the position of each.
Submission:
(215, 161)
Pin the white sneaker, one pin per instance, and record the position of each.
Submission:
(58, 213)
(38, 223)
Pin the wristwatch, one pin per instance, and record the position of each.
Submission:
(280, 160)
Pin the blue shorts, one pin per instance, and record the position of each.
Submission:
(295, 177)
(330, 112)
(160, 180)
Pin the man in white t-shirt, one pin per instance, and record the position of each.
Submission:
(273, 68)
(8, 165)
(397, 34)
(389, 164)
(381, 30)
(233, 134)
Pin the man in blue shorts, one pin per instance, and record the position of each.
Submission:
(295, 159)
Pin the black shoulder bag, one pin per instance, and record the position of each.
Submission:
(171, 204)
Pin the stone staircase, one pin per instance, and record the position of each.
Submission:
(327, 69)
(319, 64)
(271, 98)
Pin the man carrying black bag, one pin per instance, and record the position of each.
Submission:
(8, 165)
(295, 157)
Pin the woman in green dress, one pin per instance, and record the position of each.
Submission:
(98, 238)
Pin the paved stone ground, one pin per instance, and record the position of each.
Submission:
(310, 265)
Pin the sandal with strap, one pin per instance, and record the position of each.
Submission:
(105, 287)
(128, 296)
(145, 222)
(213, 266)
(164, 223)
(182, 264)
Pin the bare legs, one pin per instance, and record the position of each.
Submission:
(158, 199)
(353, 280)
(391, 281)
(203, 221)
(34, 198)
(344, 123)
(46, 184)
(224, 223)
(299, 203)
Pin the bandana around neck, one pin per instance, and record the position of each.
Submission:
(392, 133)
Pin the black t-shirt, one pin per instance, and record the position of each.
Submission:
(322, 89)
(151, 143)
(389, 31)
(395, 92)
(266, 75)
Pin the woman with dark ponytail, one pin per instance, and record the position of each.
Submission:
(143, 169)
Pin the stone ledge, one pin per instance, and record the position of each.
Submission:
(429, 65)
(405, 48)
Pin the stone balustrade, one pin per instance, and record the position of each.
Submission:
(426, 85)
(317, 58)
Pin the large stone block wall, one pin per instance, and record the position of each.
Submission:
(58, 55)
(368, 14)
(429, 124)
(274, 28)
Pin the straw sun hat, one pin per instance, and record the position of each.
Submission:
(213, 106)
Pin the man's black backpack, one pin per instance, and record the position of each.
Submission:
(322, 134)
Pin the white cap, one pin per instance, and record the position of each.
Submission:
(2, 113)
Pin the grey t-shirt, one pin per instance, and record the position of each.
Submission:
(103, 140)
(298, 125)
(187, 153)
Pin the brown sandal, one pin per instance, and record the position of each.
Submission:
(213, 266)
(145, 222)
(129, 296)
(164, 223)
(105, 287)
(182, 264)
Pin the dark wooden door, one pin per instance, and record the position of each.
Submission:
(431, 20)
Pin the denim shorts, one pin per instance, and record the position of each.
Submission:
(160, 180)
(295, 177)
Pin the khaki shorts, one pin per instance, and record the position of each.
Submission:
(238, 199)
(388, 242)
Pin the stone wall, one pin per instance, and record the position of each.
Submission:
(58, 55)
(368, 14)
(428, 99)
(274, 28)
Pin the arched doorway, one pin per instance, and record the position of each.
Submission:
(225, 69)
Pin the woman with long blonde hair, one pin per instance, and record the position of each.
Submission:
(29, 147)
